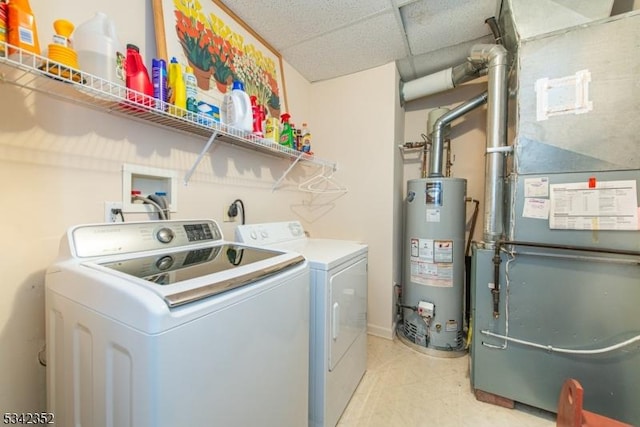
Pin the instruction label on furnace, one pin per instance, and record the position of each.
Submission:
(604, 205)
(432, 262)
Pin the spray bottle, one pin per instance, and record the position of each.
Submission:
(287, 137)
(258, 116)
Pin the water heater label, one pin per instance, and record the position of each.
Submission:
(432, 262)
(433, 215)
(443, 251)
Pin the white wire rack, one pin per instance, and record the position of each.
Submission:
(40, 74)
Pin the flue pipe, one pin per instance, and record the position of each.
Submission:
(438, 81)
(495, 58)
(437, 137)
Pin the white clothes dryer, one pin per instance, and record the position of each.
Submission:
(164, 324)
(338, 334)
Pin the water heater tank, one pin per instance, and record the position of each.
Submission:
(434, 264)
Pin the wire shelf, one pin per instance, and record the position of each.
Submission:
(40, 74)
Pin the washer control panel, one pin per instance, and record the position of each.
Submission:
(270, 233)
(121, 238)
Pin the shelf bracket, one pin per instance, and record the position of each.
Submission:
(190, 172)
(277, 183)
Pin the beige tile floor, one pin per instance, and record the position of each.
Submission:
(405, 388)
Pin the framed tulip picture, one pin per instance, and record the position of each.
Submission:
(220, 48)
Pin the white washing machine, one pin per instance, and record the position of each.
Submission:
(164, 324)
(338, 331)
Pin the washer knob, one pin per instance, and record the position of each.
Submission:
(164, 262)
(165, 235)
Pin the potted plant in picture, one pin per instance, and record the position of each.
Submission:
(196, 39)
(221, 54)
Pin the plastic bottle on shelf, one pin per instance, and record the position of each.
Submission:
(191, 88)
(236, 109)
(159, 79)
(100, 53)
(305, 143)
(272, 129)
(258, 113)
(21, 25)
(287, 137)
(177, 91)
(137, 77)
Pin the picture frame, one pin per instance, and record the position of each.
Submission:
(207, 34)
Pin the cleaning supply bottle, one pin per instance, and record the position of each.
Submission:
(305, 143)
(258, 114)
(287, 137)
(272, 129)
(100, 53)
(177, 91)
(236, 108)
(159, 79)
(191, 86)
(137, 77)
(21, 25)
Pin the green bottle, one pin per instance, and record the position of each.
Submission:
(287, 138)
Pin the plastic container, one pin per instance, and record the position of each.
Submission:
(191, 87)
(159, 80)
(272, 129)
(137, 77)
(177, 90)
(305, 142)
(99, 50)
(21, 24)
(258, 114)
(236, 108)
(287, 136)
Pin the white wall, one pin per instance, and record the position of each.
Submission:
(355, 121)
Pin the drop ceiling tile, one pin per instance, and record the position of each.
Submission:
(290, 22)
(433, 25)
(367, 44)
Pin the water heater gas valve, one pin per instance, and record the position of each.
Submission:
(426, 309)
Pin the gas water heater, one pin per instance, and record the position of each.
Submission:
(434, 270)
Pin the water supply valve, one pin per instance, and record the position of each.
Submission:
(426, 309)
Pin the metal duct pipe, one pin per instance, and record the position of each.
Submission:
(495, 57)
(437, 137)
(439, 81)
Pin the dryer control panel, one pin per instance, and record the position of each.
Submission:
(120, 238)
(270, 233)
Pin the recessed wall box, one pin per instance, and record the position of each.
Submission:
(148, 180)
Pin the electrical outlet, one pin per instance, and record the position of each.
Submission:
(110, 211)
(226, 217)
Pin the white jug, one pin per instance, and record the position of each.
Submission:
(99, 50)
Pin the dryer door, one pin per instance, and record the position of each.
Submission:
(348, 309)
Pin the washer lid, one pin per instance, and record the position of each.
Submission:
(225, 267)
